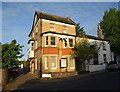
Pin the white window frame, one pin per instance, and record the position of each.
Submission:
(55, 41)
(45, 40)
(55, 62)
(64, 43)
(46, 62)
(32, 47)
(72, 60)
(63, 63)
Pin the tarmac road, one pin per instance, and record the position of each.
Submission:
(101, 81)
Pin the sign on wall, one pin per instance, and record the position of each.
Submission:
(63, 62)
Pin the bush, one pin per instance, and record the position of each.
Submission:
(11, 79)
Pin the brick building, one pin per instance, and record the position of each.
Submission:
(51, 42)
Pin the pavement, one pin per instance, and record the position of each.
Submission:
(27, 80)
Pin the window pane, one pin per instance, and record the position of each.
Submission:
(72, 63)
(65, 44)
(52, 40)
(104, 48)
(46, 62)
(46, 40)
(53, 62)
(63, 62)
(104, 56)
(71, 42)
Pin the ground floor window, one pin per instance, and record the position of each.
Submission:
(72, 63)
(53, 62)
(63, 62)
(46, 62)
(95, 61)
(104, 57)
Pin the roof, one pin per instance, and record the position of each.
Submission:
(54, 18)
(93, 37)
(47, 16)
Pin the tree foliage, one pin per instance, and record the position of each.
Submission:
(11, 53)
(83, 51)
(110, 25)
(79, 29)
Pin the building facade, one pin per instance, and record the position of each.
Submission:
(51, 42)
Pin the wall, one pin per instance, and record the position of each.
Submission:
(93, 68)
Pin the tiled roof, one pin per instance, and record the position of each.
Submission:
(54, 18)
(93, 37)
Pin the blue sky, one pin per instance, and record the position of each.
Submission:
(17, 17)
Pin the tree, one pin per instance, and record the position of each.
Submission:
(110, 25)
(79, 29)
(83, 52)
(11, 53)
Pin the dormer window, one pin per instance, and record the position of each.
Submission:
(104, 47)
(52, 26)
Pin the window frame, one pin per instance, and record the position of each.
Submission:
(54, 62)
(46, 62)
(103, 46)
(64, 43)
(73, 60)
(70, 43)
(46, 40)
(54, 41)
(66, 64)
(105, 57)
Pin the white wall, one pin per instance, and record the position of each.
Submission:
(93, 68)
(101, 51)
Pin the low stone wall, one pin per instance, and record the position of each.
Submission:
(62, 74)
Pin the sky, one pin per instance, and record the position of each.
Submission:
(17, 17)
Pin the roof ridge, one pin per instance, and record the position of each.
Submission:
(51, 14)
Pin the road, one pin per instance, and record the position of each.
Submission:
(103, 81)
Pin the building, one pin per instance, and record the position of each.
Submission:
(104, 54)
(51, 42)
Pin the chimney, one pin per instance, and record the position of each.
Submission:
(68, 17)
(99, 32)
